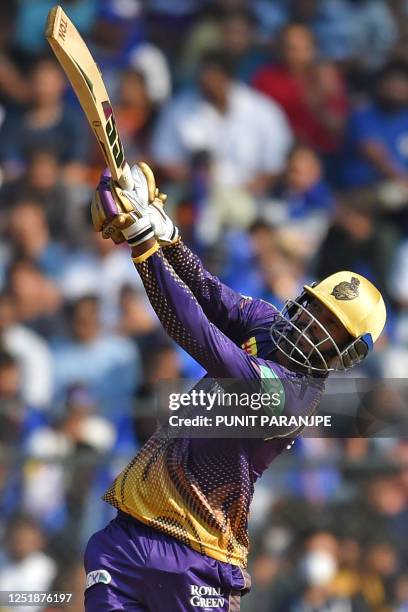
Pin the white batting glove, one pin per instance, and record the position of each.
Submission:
(135, 214)
(165, 231)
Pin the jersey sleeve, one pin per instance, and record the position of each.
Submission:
(186, 322)
(295, 395)
(223, 306)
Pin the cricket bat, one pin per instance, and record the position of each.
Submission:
(87, 82)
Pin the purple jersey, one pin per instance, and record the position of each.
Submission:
(198, 490)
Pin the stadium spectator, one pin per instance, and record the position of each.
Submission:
(233, 31)
(398, 290)
(345, 30)
(70, 579)
(361, 31)
(355, 241)
(245, 135)
(377, 133)
(49, 123)
(239, 41)
(57, 495)
(107, 363)
(151, 63)
(100, 269)
(36, 297)
(14, 89)
(318, 567)
(30, 20)
(375, 32)
(161, 367)
(168, 22)
(32, 354)
(43, 182)
(27, 564)
(30, 239)
(388, 502)
(17, 419)
(302, 199)
(312, 93)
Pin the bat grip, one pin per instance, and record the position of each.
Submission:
(126, 179)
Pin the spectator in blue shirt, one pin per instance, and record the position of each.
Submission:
(107, 364)
(49, 124)
(376, 147)
(30, 238)
(303, 188)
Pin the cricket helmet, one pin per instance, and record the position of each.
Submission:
(355, 302)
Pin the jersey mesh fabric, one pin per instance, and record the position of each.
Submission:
(199, 490)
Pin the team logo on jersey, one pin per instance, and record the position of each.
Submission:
(97, 576)
(250, 346)
(345, 290)
(206, 597)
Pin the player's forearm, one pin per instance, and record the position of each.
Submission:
(184, 319)
(219, 302)
(143, 248)
(189, 267)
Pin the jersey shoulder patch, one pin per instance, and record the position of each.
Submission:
(272, 384)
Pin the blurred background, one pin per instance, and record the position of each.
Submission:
(279, 129)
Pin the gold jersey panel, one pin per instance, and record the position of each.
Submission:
(197, 491)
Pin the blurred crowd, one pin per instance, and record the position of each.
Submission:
(279, 130)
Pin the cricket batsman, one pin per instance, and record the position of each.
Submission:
(179, 542)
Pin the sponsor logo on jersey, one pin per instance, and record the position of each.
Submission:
(250, 346)
(97, 576)
(206, 597)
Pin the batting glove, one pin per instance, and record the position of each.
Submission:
(121, 214)
(165, 231)
(134, 215)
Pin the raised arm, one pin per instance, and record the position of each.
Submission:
(138, 217)
(185, 321)
(222, 305)
(126, 214)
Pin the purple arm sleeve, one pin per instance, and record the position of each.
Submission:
(222, 305)
(185, 321)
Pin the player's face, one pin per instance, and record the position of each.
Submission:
(324, 324)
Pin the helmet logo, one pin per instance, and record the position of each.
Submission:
(346, 290)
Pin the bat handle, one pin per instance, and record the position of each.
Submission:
(126, 180)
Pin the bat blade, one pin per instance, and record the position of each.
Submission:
(86, 79)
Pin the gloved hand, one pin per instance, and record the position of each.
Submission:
(121, 214)
(165, 231)
(117, 213)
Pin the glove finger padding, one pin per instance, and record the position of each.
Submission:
(116, 235)
(136, 200)
(151, 181)
(105, 207)
(113, 227)
(111, 210)
(97, 212)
